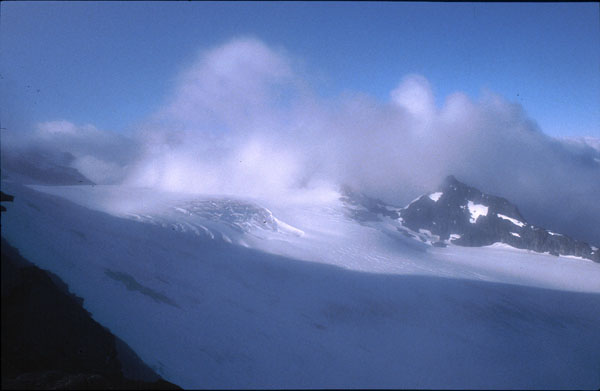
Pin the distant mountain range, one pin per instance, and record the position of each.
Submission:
(455, 213)
(41, 168)
(463, 215)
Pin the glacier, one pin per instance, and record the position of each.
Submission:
(216, 291)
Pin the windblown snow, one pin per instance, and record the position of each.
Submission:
(294, 293)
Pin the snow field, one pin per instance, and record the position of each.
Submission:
(341, 305)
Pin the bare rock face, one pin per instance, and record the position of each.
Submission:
(5, 197)
(474, 218)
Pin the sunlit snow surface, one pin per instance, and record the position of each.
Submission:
(294, 293)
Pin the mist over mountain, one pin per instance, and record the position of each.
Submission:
(243, 118)
(284, 195)
(460, 214)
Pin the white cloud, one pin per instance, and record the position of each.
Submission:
(52, 128)
(231, 87)
(416, 96)
(97, 170)
(239, 123)
(241, 120)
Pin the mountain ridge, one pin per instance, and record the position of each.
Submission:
(463, 215)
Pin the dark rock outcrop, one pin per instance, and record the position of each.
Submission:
(478, 219)
(5, 197)
(49, 341)
(460, 214)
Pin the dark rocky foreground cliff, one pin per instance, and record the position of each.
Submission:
(49, 341)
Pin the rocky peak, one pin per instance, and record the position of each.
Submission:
(465, 216)
(455, 193)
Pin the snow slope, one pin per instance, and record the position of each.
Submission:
(218, 292)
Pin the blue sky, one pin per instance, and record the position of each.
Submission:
(112, 64)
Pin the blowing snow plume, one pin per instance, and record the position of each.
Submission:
(243, 120)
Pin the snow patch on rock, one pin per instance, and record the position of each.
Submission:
(514, 221)
(476, 210)
(435, 196)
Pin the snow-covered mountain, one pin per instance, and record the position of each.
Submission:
(318, 289)
(464, 216)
